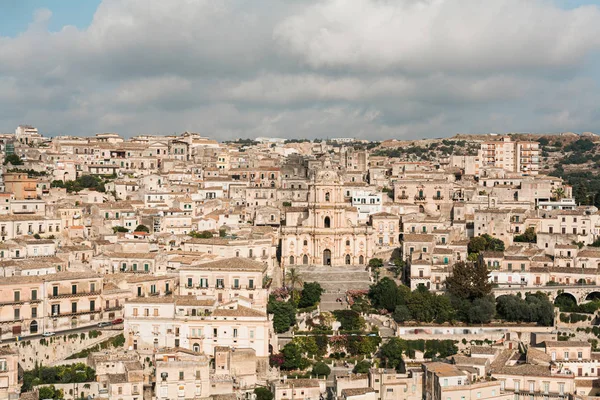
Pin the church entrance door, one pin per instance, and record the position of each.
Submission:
(327, 257)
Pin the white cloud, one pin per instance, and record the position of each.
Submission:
(306, 68)
(433, 35)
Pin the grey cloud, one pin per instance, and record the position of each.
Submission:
(307, 68)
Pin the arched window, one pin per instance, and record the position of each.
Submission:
(305, 259)
(361, 260)
(347, 243)
(196, 347)
(327, 222)
(347, 259)
(33, 327)
(291, 260)
(327, 196)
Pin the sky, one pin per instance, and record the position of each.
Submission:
(372, 69)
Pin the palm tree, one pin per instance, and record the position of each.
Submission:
(293, 278)
(559, 193)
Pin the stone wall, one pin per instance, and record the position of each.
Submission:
(48, 351)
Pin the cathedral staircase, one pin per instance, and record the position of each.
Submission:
(335, 280)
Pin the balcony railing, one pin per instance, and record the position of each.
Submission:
(420, 198)
(78, 294)
(438, 197)
(403, 197)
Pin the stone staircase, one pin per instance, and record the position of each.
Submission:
(335, 281)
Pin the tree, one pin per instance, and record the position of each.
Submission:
(482, 310)
(321, 369)
(375, 263)
(120, 229)
(293, 358)
(293, 278)
(529, 236)
(284, 314)
(485, 242)
(263, 393)
(469, 280)
(13, 159)
(142, 228)
(201, 235)
(402, 314)
(362, 367)
(558, 193)
(349, 320)
(391, 354)
(387, 295)
(534, 308)
(310, 295)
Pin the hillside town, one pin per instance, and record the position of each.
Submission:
(183, 267)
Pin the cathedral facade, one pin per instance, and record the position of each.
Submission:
(325, 230)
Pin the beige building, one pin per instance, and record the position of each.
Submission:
(10, 387)
(225, 280)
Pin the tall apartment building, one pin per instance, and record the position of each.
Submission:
(514, 156)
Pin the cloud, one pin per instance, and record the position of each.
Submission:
(307, 68)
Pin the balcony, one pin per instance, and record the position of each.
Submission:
(438, 197)
(420, 198)
(76, 313)
(78, 294)
(403, 197)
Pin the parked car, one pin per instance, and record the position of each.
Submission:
(117, 321)
(103, 324)
(47, 334)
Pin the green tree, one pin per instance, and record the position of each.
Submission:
(387, 295)
(558, 193)
(482, 310)
(321, 369)
(284, 314)
(13, 159)
(375, 263)
(391, 355)
(349, 320)
(529, 236)
(310, 295)
(402, 314)
(293, 278)
(469, 280)
(142, 228)
(121, 229)
(263, 393)
(293, 358)
(201, 235)
(362, 367)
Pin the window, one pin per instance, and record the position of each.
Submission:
(92, 305)
(189, 282)
(17, 295)
(236, 283)
(579, 355)
(235, 332)
(92, 287)
(566, 355)
(180, 375)
(561, 388)
(34, 312)
(74, 307)
(305, 242)
(17, 313)
(3, 366)
(73, 289)
(250, 283)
